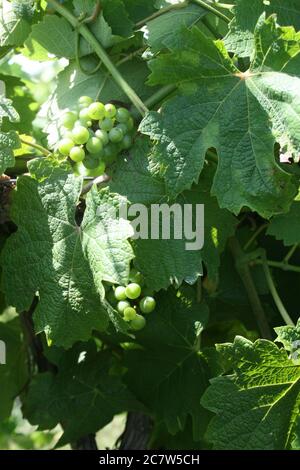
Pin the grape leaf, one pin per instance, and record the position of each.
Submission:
(7, 110)
(289, 336)
(22, 100)
(53, 35)
(83, 395)
(240, 38)
(13, 28)
(171, 373)
(165, 27)
(113, 10)
(146, 186)
(258, 406)
(9, 141)
(63, 262)
(286, 227)
(13, 374)
(140, 9)
(240, 114)
(166, 261)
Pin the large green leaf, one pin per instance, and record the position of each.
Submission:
(13, 374)
(240, 38)
(240, 114)
(167, 26)
(171, 372)
(9, 141)
(84, 396)
(63, 262)
(52, 36)
(258, 406)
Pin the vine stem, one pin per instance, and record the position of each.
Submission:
(90, 38)
(160, 12)
(290, 253)
(211, 9)
(42, 149)
(99, 180)
(254, 236)
(281, 308)
(278, 264)
(246, 277)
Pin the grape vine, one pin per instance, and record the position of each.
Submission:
(161, 107)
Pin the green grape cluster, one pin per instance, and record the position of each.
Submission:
(132, 301)
(94, 135)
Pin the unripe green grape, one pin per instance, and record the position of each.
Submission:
(85, 101)
(65, 145)
(103, 136)
(123, 127)
(127, 142)
(96, 111)
(77, 154)
(109, 153)
(107, 124)
(129, 313)
(121, 305)
(80, 135)
(68, 135)
(123, 115)
(94, 145)
(99, 171)
(68, 120)
(136, 276)
(147, 304)
(133, 290)
(91, 162)
(130, 123)
(110, 110)
(120, 293)
(84, 118)
(116, 135)
(138, 323)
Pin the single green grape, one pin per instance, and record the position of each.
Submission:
(130, 123)
(77, 154)
(123, 127)
(120, 293)
(68, 135)
(138, 322)
(90, 162)
(110, 153)
(116, 135)
(80, 135)
(68, 120)
(129, 313)
(85, 101)
(96, 111)
(136, 276)
(102, 135)
(106, 125)
(133, 290)
(65, 145)
(94, 145)
(147, 304)
(84, 118)
(121, 305)
(99, 171)
(110, 110)
(122, 115)
(127, 142)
